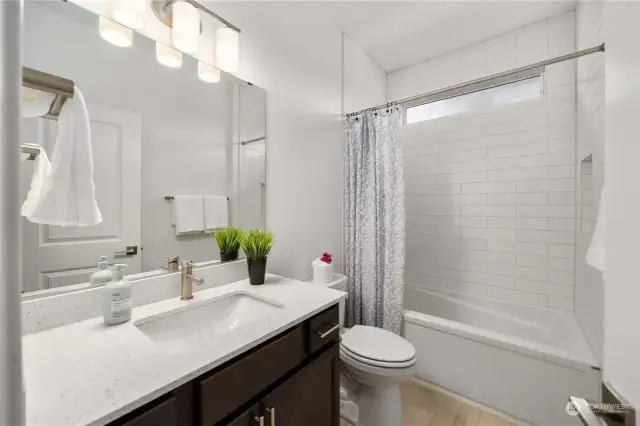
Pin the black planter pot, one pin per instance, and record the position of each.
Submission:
(225, 257)
(257, 270)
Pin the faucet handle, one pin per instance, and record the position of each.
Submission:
(172, 264)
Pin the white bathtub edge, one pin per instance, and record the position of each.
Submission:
(508, 343)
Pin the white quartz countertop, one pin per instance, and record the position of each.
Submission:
(88, 374)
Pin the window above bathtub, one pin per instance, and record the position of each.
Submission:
(478, 97)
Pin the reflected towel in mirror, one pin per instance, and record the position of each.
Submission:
(216, 215)
(188, 214)
(68, 193)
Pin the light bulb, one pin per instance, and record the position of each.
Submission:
(115, 33)
(227, 47)
(129, 13)
(208, 73)
(186, 27)
(168, 56)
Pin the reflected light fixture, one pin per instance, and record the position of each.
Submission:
(185, 29)
(129, 13)
(168, 56)
(115, 33)
(227, 46)
(208, 73)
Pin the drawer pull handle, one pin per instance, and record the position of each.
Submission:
(260, 420)
(328, 332)
(272, 410)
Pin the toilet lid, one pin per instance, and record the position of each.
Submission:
(377, 344)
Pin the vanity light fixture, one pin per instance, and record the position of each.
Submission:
(168, 56)
(185, 29)
(208, 73)
(227, 46)
(129, 13)
(115, 33)
(184, 19)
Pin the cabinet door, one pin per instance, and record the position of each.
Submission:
(310, 397)
(248, 418)
(163, 414)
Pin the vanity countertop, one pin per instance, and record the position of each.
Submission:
(88, 374)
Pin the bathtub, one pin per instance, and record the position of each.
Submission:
(522, 360)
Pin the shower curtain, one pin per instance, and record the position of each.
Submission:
(374, 220)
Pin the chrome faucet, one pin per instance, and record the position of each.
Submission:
(173, 264)
(186, 286)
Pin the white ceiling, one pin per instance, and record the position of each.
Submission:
(396, 34)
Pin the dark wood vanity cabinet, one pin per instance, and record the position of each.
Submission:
(290, 380)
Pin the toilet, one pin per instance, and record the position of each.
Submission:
(374, 364)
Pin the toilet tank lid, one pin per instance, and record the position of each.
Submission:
(378, 344)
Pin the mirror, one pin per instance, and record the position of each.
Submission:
(156, 132)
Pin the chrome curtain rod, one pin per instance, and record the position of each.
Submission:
(574, 55)
(61, 87)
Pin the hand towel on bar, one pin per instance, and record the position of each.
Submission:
(216, 215)
(187, 214)
(68, 194)
(41, 171)
(595, 255)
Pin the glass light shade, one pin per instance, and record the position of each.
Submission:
(115, 33)
(208, 73)
(227, 48)
(129, 13)
(168, 56)
(185, 31)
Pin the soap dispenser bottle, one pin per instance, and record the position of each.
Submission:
(118, 301)
(104, 274)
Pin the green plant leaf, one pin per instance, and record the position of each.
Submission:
(258, 243)
(229, 239)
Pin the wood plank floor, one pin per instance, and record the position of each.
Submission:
(427, 405)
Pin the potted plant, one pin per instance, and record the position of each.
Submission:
(229, 242)
(257, 245)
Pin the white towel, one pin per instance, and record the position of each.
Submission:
(68, 194)
(41, 171)
(187, 214)
(595, 255)
(216, 215)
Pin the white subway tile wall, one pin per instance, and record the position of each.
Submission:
(490, 196)
(589, 303)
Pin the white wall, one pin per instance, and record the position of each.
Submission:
(364, 82)
(185, 122)
(589, 304)
(622, 174)
(491, 196)
(299, 64)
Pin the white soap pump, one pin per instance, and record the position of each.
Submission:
(118, 301)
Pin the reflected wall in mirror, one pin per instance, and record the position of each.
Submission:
(156, 132)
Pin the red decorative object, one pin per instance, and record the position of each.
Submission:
(326, 257)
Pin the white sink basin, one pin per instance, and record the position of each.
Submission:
(201, 323)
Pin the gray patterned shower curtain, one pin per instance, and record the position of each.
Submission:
(374, 220)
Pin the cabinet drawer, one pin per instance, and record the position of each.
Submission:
(323, 329)
(226, 390)
(163, 414)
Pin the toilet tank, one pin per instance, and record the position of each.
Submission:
(339, 283)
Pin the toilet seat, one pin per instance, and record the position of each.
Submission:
(345, 353)
(377, 348)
